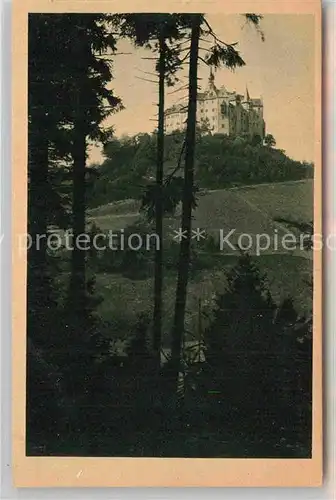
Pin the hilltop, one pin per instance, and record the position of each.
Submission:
(221, 162)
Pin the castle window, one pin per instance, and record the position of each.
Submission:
(223, 108)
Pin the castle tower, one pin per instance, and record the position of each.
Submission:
(247, 95)
(211, 82)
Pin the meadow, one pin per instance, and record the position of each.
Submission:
(252, 210)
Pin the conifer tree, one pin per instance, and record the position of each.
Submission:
(67, 103)
(254, 351)
(159, 32)
(220, 54)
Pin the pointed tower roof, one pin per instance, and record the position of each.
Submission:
(247, 94)
(211, 77)
(211, 82)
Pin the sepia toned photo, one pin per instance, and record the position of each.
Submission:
(173, 238)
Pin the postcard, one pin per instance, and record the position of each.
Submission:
(167, 243)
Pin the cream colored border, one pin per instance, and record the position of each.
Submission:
(99, 472)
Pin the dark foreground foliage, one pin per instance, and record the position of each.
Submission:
(248, 395)
(245, 391)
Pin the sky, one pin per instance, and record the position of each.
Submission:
(280, 69)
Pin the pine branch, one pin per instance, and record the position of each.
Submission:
(146, 80)
(203, 60)
(255, 20)
(185, 57)
(184, 87)
(147, 72)
(178, 167)
(103, 56)
(212, 33)
(205, 49)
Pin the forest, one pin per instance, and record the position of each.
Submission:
(140, 353)
(221, 161)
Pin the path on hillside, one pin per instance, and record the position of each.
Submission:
(261, 184)
(295, 253)
(252, 208)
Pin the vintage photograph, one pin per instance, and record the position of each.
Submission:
(170, 235)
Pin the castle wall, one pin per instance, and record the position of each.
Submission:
(238, 118)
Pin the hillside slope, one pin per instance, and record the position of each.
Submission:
(248, 210)
(220, 162)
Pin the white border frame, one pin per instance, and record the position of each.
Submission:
(329, 183)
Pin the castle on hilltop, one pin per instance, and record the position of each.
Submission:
(223, 112)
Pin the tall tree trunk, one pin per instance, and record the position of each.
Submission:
(187, 202)
(78, 256)
(158, 276)
(77, 290)
(38, 282)
(38, 291)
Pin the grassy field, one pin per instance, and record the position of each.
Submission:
(252, 210)
(125, 299)
(247, 210)
(286, 200)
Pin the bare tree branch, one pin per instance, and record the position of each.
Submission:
(203, 60)
(184, 87)
(146, 72)
(212, 33)
(178, 167)
(146, 80)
